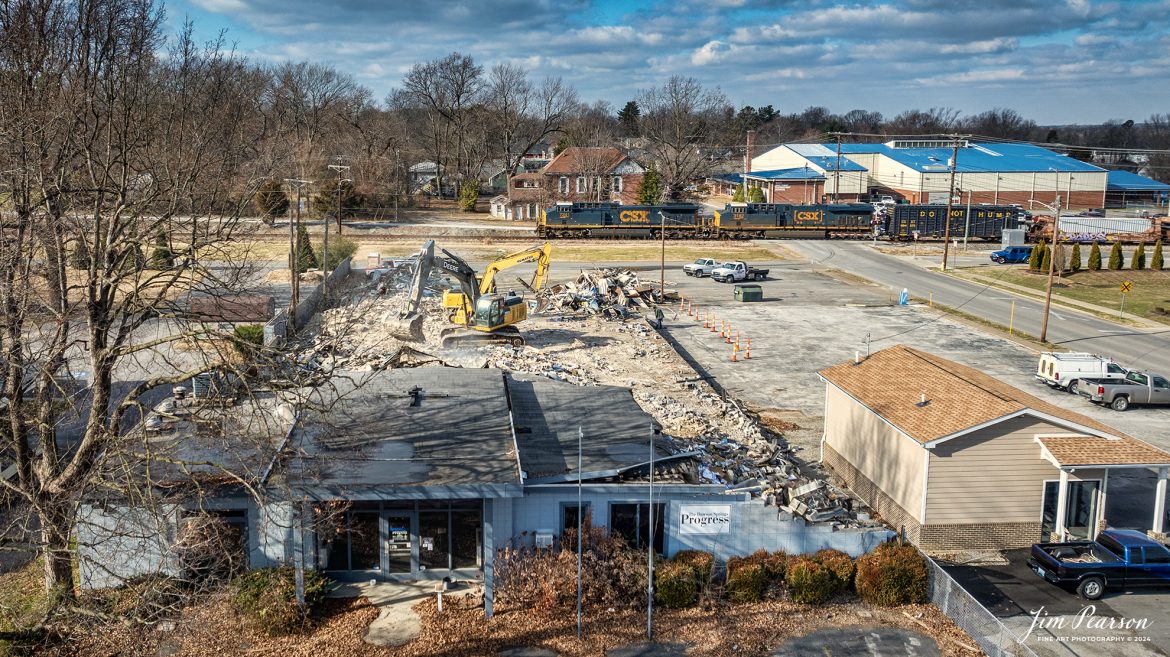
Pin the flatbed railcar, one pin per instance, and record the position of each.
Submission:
(927, 222)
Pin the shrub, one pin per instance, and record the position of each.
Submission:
(892, 574)
(1046, 261)
(1074, 261)
(675, 584)
(268, 597)
(162, 258)
(701, 563)
(1095, 257)
(1037, 256)
(746, 580)
(248, 339)
(306, 258)
(809, 581)
(270, 200)
(1139, 257)
(840, 565)
(737, 195)
(468, 195)
(340, 248)
(1116, 257)
(1156, 260)
(755, 195)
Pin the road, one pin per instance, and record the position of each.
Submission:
(1146, 349)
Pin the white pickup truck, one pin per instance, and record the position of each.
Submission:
(701, 267)
(737, 271)
(1065, 370)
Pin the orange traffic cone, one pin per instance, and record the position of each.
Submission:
(734, 352)
(727, 338)
(748, 354)
(707, 322)
(714, 323)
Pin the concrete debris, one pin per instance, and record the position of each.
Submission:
(611, 293)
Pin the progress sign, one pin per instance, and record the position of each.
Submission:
(704, 519)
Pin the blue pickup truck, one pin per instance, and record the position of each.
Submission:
(1120, 559)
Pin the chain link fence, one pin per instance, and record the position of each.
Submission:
(988, 632)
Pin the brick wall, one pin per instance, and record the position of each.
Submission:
(891, 512)
(628, 195)
(997, 536)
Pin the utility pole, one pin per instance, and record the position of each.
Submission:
(662, 259)
(325, 265)
(837, 172)
(1051, 269)
(747, 161)
(294, 256)
(950, 200)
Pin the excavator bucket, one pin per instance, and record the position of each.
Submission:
(407, 329)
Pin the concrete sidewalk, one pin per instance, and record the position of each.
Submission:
(397, 624)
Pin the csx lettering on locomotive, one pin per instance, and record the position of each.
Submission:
(807, 216)
(634, 217)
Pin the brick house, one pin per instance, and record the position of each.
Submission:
(526, 196)
(961, 460)
(592, 174)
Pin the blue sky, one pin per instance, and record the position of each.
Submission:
(1054, 61)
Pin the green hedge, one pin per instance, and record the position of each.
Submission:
(840, 565)
(746, 581)
(809, 581)
(892, 574)
(268, 597)
(675, 585)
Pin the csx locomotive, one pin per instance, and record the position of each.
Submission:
(771, 220)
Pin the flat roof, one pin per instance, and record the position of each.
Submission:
(547, 415)
(1127, 181)
(981, 157)
(430, 426)
(825, 156)
(797, 173)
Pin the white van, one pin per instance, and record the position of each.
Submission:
(1064, 370)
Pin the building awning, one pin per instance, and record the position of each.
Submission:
(1126, 181)
(1097, 452)
(798, 173)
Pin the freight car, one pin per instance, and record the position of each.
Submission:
(908, 222)
(752, 220)
(608, 219)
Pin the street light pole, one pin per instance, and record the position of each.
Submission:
(1051, 266)
(662, 259)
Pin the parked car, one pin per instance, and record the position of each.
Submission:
(1120, 559)
(701, 267)
(1012, 254)
(1066, 370)
(737, 271)
(1135, 388)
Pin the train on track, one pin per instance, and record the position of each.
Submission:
(774, 220)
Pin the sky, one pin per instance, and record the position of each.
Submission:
(1053, 61)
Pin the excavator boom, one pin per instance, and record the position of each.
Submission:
(541, 255)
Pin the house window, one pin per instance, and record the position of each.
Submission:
(617, 184)
(580, 184)
(569, 513)
(214, 542)
(531, 210)
(632, 522)
(596, 183)
(563, 185)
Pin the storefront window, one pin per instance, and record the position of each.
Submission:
(632, 521)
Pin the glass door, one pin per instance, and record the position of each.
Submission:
(398, 544)
(1080, 511)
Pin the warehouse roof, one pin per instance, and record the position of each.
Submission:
(1125, 181)
(798, 173)
(976, 158)
(946, 400)
(825, 157)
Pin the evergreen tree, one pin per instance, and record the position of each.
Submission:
(1095, 257)
(324, 202)
(1116, 257)
(1074, 261)
(737, 197)
(650, 189)
(162, 257)
(1156, 261)
(1037, 256)
(79, 256)
(1139, 257)
(755, 195)
(628, 119)
(306, 259)
(1046, 262)
(468, 195)
(270, 200)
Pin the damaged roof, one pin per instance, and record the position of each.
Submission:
(548, 414)
(433, 426)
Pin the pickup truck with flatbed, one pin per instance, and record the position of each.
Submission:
(1136, 388)
(738, 270)
(1119, 559)
(701, 267)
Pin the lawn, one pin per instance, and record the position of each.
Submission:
(1151, 289)
(602, 253)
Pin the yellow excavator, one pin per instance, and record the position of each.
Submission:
(491, 316)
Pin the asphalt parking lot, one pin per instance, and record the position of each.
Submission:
(1031, 607)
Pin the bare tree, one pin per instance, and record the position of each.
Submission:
(522, 114)
(678, 119)
(1002, 123)
(936, 120)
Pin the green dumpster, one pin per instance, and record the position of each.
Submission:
(748, 292)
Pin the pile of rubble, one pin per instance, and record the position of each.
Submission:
(611, 293)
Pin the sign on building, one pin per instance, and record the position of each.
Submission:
(704, 519)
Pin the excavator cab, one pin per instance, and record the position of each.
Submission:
(495, 311)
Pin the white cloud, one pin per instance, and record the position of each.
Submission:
(710, 52)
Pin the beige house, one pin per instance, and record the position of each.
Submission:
(961, 460)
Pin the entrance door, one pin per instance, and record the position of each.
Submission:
(398, 544)
(1080, 515)
(434, 540)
